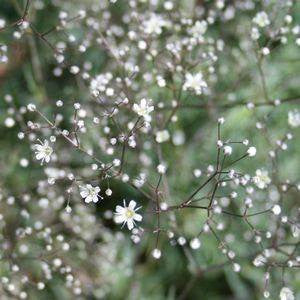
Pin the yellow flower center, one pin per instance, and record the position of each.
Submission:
(129, 213)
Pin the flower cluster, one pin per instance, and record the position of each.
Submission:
(180, 107)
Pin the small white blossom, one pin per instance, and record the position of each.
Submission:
(198, 29)
(9, 122)
(286, 294)
(144, 108)
(127, 214)
(90, 193)
(154, 24)
(162, 136)
(276, 209)
(161, 169)
(156, 253)
(227, 150)
(2, 23)
(43, 151)
(261, 19)
(195, 243)
(259, 260)
(194, 82)
(262, 178)
(294, 118)
(251, 151)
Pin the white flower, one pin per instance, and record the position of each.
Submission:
(194, 82)
(276, 209)
(31, 107)
(154, 24)
(161, 169)
(294, 118)
(90, 193)
(262, 179)
(144, 109)
(195, 243)
(259, 260)
(286, 294)
(2, 23)
(227, 150)
(198, 29)
(99, 83)
(127, 214)
(162, 136)
(251, 151)
(261, 19)
(156, 253)
(43, 151)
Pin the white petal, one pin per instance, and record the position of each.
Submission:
(39, 155)
(119, 209)
(88, 199)
(137, 217)
(38, 147)
(132, 204)
(130, 224)
(119, 219)
(84, 194)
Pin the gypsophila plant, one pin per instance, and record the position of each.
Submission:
(148, 133)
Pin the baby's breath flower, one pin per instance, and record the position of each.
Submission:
(162, 136)
(198, 29)
(251, 151)
(261, 19)
(262, 178)
(90, 193)
(286, 294)
(43, 151)
(194, 82)
(144, 108)
(127, 214)
(156, 253)
(195, 243)
(294, 118)
(154, 24)
(276, 209)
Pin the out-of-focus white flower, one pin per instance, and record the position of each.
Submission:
(227, 150)
(9, 122)
(194, 82)
(251, 151)
(161, 169)
(276, 209)
(198, 29)
(262, 178)
(127, 214)
(43, 151)
(154, 24)
(99, 83)
(162, 136)
(2, 23)
(90, 193)
(294, 118)
(259, 260)
(286, 294)
(261, 19)
(156, 253)
(195, 243)
(144, 108)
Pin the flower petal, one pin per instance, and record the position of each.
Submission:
(119, 219)
(137, 217)
(132, 204)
